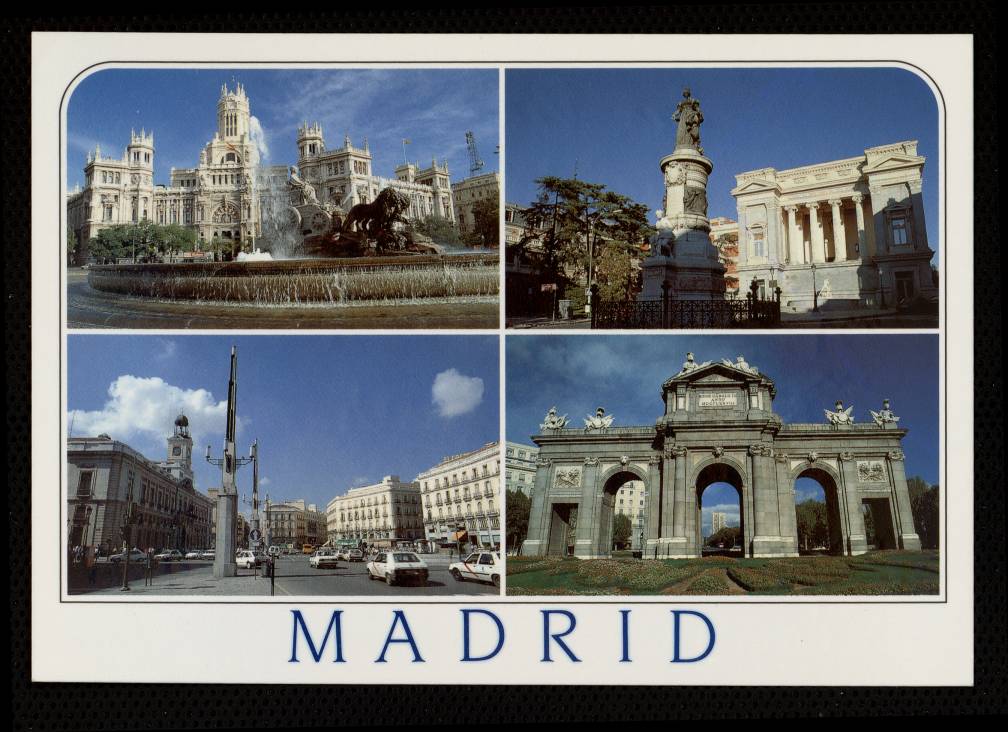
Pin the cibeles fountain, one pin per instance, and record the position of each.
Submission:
(684, 264)
(310, 252)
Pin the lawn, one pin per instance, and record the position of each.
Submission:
(875, 573)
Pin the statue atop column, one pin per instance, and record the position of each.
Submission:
(884, 416)
(689, 117)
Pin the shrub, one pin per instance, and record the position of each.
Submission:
(709, 584)
(753, 580)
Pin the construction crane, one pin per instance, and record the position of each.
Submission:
(475, 164)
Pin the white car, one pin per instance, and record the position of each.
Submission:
(247, 559)
(397, 566)
(323, 558)
(169, 555)
(194, 554)
(208, 554)
(484, 566)
(134, 556)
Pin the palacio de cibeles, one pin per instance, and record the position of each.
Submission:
(840, 243)
(232, 240)
(718, 427)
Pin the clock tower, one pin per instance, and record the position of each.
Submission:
(179, 462)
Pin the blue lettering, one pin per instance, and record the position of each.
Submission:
(334, 620)
(465, 635)
(676, 657)
(557, 637)
(625, 618)
(400, 617)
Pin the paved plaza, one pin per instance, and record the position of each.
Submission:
(295, 577)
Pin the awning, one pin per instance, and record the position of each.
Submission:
(457, 535)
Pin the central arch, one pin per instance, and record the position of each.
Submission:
(834, 539)
(612, 480)
(719, 472)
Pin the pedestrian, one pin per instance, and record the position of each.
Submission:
(77, 552)
(149, 568)
(92, 565)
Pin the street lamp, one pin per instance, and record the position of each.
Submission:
(815, 292)
(881, 287)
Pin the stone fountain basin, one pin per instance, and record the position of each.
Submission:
(297, 281)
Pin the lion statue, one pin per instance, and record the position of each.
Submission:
(372, 219)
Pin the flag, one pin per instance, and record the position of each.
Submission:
(405, 141)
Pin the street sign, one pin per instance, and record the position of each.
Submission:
(548, 287)
(255, 535)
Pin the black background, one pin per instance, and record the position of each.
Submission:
(154, 706)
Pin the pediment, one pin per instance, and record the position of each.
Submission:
(756, 186)
(713, 373)
(893, 162)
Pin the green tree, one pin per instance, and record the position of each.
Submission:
(439, 229)
(518, 508)
(813, 529)
(727, 537)
(622, 528)
(925, 509)
(486, 226)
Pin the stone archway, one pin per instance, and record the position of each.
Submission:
(836, 523)
(605, 515)
(720, 471)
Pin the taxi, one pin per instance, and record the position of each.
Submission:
(398, 566)
(482, 566)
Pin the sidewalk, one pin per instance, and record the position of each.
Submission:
(199, 581)
(543, 322)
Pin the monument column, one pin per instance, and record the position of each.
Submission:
(766, 510)
(538, 528)
(856, 536)
(675, 539)
(786, 516)
(908, 537)
(839, 232)
(796, 248)
(588, 513)
(817, 244)
(862, 239)
(654, 504)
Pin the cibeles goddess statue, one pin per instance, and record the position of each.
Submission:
(884, 416)
(839, 415)
(691, 364)
(741, 365)
(600, 420)
(553, 421)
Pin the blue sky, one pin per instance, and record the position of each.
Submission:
(624, 374)
(330, 412)
(614, 125)
(433, 108)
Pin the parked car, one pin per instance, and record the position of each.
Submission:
(208, 554)
(323, 559)
(194, 554)
(169, 555)
(248, 559)
(480, 565)
(355, 555)
(396, 566)
(135, 555)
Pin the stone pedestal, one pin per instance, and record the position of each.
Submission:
(224, 554)
(682, 254)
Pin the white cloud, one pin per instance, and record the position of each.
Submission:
(145, 408)
(168, 349)
(454, 393)
(258, 137)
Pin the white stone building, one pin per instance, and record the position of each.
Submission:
(108, 481)
(294, 524)
(382, 514)
(461, 498)
(853, 230)
(631, 499)
(520, 467)
(228, 193)
(467, 193)
(719, 520)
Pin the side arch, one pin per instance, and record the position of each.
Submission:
(837, 520)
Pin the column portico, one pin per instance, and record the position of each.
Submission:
(817, 243)
(839, 231)
(796, 248)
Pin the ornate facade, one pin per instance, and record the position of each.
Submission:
(112, 486)
(461, 497)
(718, 426)
(229, 193)
(382, 514)
(470, 191)
(519, 467)
(293, 524)
(853, 230)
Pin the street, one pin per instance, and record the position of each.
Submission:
(295, 577)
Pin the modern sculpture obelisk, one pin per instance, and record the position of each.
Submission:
(227, 499)
(683, 261)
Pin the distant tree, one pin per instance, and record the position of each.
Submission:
(622, 529)
(869, 523)
(518, 508)
(813, 529)
(727, 537)
(615, 274)
(439, 229)
(924, 506)
(486, 224)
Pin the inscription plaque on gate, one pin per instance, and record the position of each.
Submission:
(717, 400)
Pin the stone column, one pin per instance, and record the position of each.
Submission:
(766, 510)
(917, 204)
(817, 245)
(586, 534)
(839, 232)
(908, 538)
(674, 513)
(861, 236)
(796, 247)
(855, 535)
(654, 505)
(786, 516)
(537, 541)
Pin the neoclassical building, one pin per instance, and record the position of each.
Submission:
(718, 426)
(853, 230)
(470, 191)
(110, 485)
(461, 497)
(292, 524)
(382, 514)
(228, 193)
